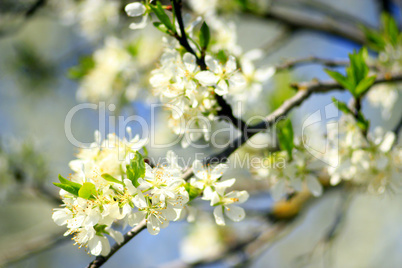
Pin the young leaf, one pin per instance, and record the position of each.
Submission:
(364, 85)
(343, 107)
(390, 28)
(285, 136)
(204, 36)
(160, 13)
(358, 69)
(161, 27)
(85, 64)
(111, 178)
(87, 191)
(138, 164)
(338, 77)
(66, 187)
(374, 38)
(193, 192)
(362, 122)
(70, 183)
(136, 169)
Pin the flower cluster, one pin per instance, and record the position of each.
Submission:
(372, 162)
(295, 174)
(110, 62)
(112, 183)
(95, 17)
(206, 179)
(190, 91)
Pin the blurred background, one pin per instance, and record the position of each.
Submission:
(45, 48)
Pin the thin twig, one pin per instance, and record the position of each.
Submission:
(289, 64)
(100, 260)
(298, 20)
(226, 112)
(305, 89)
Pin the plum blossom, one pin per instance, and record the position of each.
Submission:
(137, 9)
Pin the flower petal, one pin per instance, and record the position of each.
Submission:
(218, 214)
(139, 25)
(278, 190)
(206, 78)
(230, 64)
(313, 185)
(135, 9)
(222, 88)
(189, 61)
(235, 213)
(218, 171)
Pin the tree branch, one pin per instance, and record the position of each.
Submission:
(298, 20)
(305, 89)
(226, 112)
(100, 260)
(289, 64)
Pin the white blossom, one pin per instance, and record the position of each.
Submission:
(137, 9)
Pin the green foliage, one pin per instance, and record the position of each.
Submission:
(356, 80)
(205, 36)
(87, 191)
(110, 178)
(193, 192)
(69, 186)
(284, 130)
(162, 16)
(161, 27)
(136, 169)
(361, 121)
(388, 33)
(343, 107)
(242, 3)
(100, 229)
(85, 64)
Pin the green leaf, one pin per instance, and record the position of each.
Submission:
(193, 192)
(343, 107)
(68, 182)
(364, 85)
(362, 122)
(375, 39)
(161, 27)
(285, 136)
(85, 64)
(356, 73)
(358, 69)
(87, 191)
(338, 77)
(110, 178)
(390, 28)
(67, 188)
(205, 36)
(136, 169)
(160, 13)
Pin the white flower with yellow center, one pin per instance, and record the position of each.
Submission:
(221, 77)
(225, 204)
